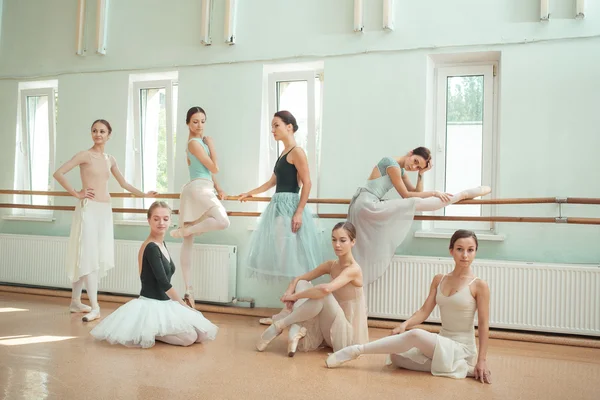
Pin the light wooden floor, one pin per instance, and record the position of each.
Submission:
(47, 353)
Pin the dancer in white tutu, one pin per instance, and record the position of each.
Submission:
(159, 313)
(90, 253)
(332, 314)
(286, 242)
(453, 353)
(382, 225)
(200, 210)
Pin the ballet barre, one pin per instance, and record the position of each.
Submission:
(543, 200)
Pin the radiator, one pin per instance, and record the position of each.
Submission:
(541, 297)
(40, 261)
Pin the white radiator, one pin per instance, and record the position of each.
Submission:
(40, 261)
(558, 298)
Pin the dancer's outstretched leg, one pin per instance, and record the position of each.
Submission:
(396, 344)
(434, 203)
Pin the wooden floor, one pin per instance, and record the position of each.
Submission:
(47, 353)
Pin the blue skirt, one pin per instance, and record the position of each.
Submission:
(274, 250)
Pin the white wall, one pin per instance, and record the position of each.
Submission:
(374, 98)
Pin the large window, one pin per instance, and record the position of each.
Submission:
(464, 135)
(34, 153)
(298, 92)
(150, 166)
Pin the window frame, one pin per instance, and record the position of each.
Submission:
(138, 166)
(442, 72)
(24, 181)
(311, 77)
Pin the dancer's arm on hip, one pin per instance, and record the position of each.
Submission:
(425, 310)
(59, 175)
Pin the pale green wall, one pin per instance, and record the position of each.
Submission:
(374, 98)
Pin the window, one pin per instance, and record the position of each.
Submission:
(465, 104)
(298, 92)
(34, 153)
(150, 166)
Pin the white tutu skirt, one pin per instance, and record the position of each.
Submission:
(381, 226)
(92, 241)
(197, 197)
(138, 322)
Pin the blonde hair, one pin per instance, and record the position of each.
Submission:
(158, 204)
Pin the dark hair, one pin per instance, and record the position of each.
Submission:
(463, 234)
(348, 227)
(193, 111)
(423, 152)
(157, 204)
(287, 118)
(104, 122)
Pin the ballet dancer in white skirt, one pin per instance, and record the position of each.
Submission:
(90, 253)
(159, 313)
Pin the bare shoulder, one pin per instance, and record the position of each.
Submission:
(296, 154)
(481, 286)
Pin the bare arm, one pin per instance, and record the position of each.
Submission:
(59, 175)
(483, 328)
(219, 189)
(198, 151)
(425, 310)
(321, 270)
(419, 187)
(320, 291)
(262, 188)
(395, 175)
(114, 168)
(301, 164)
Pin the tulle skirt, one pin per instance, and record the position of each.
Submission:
(381, 226)
(138, 322)
(274, 250)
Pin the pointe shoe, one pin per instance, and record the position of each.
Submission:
(188, 298)
(263, 343)
(343, 356)
(266, 321)
(176, 233)
(293, 343)
(482, 191)
(79, 307)
(92, 315)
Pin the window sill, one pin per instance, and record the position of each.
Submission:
(30, 218)
(492, 237)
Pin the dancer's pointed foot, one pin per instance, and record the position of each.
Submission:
(78, 307)
(344, 355)
(268, 336)
(293, 342)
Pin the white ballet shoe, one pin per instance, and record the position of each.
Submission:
(266, 321)
(274, 331)
(176, 233)
(343, 356)
(293, 342)
(79, 307)
(479, 192)
(188, 298)
(92, 315)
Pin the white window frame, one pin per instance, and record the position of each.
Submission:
(310, 76)
(490, 104)
(23, 182)
(137, 140)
